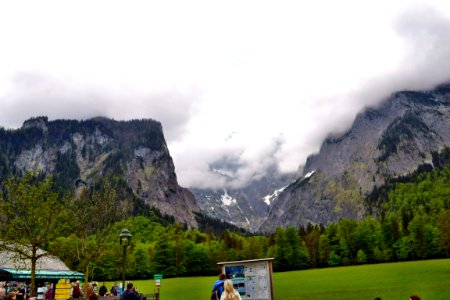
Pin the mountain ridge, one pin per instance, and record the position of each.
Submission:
(385, 141)
(131, 152)
(244, 207)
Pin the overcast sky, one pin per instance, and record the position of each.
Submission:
(257, 84)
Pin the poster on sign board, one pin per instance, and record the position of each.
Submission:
(252, 278)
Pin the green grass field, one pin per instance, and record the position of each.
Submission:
(394, 281)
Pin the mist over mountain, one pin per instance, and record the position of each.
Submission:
(269, 99)
(386, 141)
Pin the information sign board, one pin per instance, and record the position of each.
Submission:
(62, 291)
(251, 278)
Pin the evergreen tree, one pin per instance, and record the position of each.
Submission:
(197, 260)
(324, 250)
(423, 237)
(369, 237)
(443, 224)
(140, 265)
(179, 249)
(348, 238)
(311, 238)
(402, 248)
(163, 260)
(282, 251)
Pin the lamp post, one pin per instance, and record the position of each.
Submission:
(125, 239)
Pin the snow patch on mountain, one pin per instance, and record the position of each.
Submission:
(309, 174)
(269, 198)
(227, 200)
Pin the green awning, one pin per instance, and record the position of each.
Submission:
(42, 274)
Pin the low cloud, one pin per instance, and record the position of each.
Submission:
(229, 165)
(425, 63)
(37, 94)
(235, 99)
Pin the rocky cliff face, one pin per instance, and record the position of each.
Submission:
(84, 151)
(390, 140)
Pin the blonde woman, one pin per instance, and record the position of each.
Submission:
(229, 293)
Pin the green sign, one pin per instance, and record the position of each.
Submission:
(157, 276)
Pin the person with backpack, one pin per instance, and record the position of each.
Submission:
(130, 293)
(76, 291)
(103, 290)
(115, 289)
(218, 287)
(229, 292)
(49, 293)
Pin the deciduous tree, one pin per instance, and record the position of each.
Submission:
(96, 210)
(32, 216)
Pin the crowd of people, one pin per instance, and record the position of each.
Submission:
(223, 289)
(94, 292)
(13, 290)
(46, 291)
(22, 291)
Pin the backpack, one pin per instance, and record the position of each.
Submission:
(49, 294)
(215, 295)
(113, 291)
(76, 292)
(126, 295)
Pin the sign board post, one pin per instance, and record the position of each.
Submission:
(157, 278)
(251, 278)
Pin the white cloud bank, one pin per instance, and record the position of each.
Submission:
(255, 84)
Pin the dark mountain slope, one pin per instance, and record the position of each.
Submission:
(133, 153)
(384, 142)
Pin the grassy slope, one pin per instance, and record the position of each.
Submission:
(429, 279)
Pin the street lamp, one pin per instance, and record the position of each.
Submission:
(125, 239)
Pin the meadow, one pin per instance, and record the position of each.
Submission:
(392, 281)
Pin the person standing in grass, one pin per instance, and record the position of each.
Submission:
(229, 292)
(102, 291)
(115, 289)
(218, 287)
(130, 293)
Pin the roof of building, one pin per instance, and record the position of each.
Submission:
(13, 266)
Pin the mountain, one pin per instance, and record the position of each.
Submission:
(246, 207)
(384, 142)
(134, 154)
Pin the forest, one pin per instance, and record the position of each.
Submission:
(408, 219)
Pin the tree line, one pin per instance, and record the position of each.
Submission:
(409, 220)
